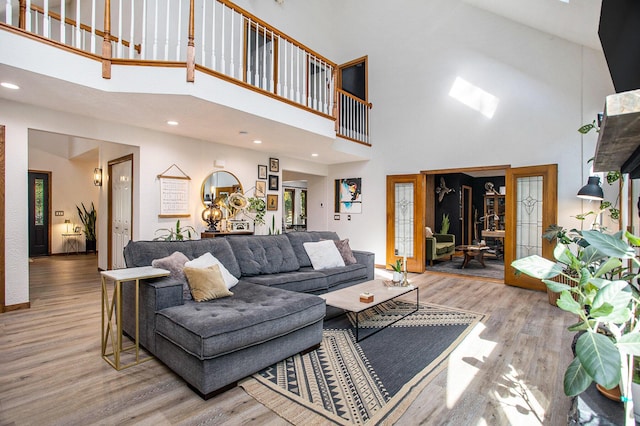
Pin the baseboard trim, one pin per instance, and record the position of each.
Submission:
(17, 307)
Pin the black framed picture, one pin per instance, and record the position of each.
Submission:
(274, 165)
(273, 182)
(262, 171)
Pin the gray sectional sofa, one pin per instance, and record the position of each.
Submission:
(273, 313)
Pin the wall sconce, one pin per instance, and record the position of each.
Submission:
(592, 190)
(97, 176)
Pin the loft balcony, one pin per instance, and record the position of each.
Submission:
(219, 68)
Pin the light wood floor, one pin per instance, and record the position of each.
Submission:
(509, 371)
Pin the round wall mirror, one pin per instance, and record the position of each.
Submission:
(219, 184)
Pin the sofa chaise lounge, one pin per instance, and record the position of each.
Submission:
(273, 313)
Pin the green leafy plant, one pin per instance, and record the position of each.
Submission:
(175, 234)
(397, 267)
(258, 207)
(604, 300)
(88, 219)
(273, 230)
(612, 177)
(444, 228)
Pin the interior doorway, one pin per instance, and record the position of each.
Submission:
(467, 199)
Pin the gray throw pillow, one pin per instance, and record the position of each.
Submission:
(174, 263)
(345, 251)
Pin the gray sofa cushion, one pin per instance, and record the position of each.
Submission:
(263, 254)
(142, 253)
(254, 314)
(301, 281)
(342, 274)
(298, 239)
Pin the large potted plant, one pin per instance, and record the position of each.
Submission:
(88, 219)
(606, 305)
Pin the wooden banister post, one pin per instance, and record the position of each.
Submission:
(191, 46)
(335, 98)
(106, 41)
(22, 20)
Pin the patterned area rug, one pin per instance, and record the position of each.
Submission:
(370, 382)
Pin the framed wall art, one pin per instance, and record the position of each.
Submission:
(272, 202)
(348, 195)
(273, 182)
(174, 193)
(261, 188)
(262, 171)
(274, 165)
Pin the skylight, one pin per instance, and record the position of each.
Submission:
(474, 97)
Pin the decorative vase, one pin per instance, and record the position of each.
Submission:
(397, 277)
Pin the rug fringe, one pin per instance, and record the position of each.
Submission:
(287, 408)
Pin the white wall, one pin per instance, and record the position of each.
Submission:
(547, 88)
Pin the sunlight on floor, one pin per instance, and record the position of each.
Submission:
(462, 368)
(518, 401)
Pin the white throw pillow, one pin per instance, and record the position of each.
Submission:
(323, 254)
(207, 260)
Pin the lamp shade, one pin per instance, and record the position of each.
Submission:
(592, 190)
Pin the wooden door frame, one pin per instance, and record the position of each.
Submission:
(417, 262)
(50, 208)
(467, 215)
(549, 173)
(110, 164)
(362, 60)
(2, 220)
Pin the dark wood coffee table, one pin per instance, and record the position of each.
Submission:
(472, 253)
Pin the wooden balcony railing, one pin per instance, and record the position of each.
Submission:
(213, 36)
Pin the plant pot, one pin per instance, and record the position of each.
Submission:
(635, 394)
(553, 296)
(397, 277)
(90, 246)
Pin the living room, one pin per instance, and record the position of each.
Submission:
(544, 96)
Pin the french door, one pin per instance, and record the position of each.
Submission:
(405, 220)
(531, 207)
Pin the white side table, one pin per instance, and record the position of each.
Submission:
(71, 241)
(112, 312)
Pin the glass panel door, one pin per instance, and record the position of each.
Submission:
(405, 221)
(531, 207)
(404, 206)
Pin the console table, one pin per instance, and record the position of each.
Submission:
(210, 234)
(112, 313)
(71, 241)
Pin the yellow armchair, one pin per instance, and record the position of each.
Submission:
(440, 246)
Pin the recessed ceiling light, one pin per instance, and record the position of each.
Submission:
(243, 132)
(257, 142)
(314, 155)
(8, 85)
(172, 123)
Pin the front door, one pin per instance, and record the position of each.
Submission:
(531, 207)
(405, 220)
(39, 213)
